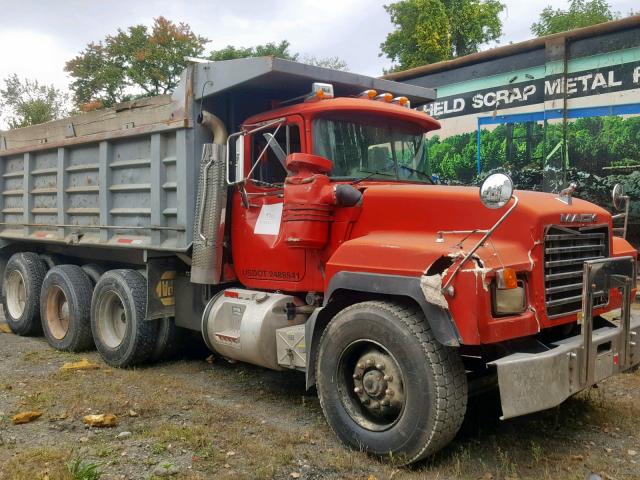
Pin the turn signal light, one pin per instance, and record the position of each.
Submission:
(370, 94)
(506, 279)
(385, 97)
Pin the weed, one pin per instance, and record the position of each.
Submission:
(81, 470)
(158, 448)
(105, 451)
(536, 451)
(508, 467)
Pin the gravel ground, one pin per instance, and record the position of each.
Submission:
(191, 419)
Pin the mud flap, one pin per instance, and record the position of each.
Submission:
(161, 275)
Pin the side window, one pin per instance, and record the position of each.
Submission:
(281, 142)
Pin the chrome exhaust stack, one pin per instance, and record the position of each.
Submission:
(208, 234)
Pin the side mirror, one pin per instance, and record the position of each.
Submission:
(239, 158)
(496, 190)
(618, 197)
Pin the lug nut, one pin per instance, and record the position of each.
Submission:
(356, 376)
(357, 390)
(375, 405)
(369, 363)
(388, 378)
(360, 366)
(380, 366)
(388, 392)
(385, 403)
(366, 401)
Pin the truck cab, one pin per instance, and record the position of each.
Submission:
(368, 142)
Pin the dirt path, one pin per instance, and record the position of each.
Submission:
(220, 420)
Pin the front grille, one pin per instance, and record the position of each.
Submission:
(565, 251)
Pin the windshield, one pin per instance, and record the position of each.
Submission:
(372, 147)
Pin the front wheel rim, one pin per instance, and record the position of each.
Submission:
(57, 313)
(16, 294)
(112, 319)
(371, 385)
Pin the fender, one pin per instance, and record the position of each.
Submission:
(438, 318)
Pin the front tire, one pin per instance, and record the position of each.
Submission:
(386, 385)
(118, 309)
(65, 308)
(22, 282)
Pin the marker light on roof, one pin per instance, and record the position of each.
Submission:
(320, 91)
(402, 101)
(384, 97)
(370, 94)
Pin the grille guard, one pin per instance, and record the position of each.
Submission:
(530, 382)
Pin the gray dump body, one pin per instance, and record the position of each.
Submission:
(126, 177)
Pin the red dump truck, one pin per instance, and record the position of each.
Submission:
(287, 213)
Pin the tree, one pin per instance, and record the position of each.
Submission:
(279, 50)
(133, 62)
(429, 31)
(581, 13)
(334, 63)
(27, 102)
(272, 49)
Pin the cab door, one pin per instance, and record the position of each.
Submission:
(260, 256)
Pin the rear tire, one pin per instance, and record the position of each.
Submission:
(22, 282)
(93, 271)
(65, 308)
(170, 340)
(118, 309)
(386, 385)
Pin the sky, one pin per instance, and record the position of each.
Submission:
(38, 37)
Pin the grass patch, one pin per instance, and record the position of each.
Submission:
(81, 470)
(37, 401)
(37, 464)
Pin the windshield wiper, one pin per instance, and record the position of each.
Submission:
(413, 170)
(371, 174)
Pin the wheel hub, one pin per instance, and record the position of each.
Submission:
(112, 319)
(16, 294)
(57, 314)
(377, 385)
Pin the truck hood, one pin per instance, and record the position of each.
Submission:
(398, 227)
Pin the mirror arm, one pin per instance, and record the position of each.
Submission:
(249, 131)
(484, 238)
(233, 135)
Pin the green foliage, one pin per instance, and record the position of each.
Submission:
(272, 49)
(27, 102)
(429, 31)
(334, 63)
(132, 61)
(139, 61)
(279, 50)
(598, 145)
(80, 470)
(581, 13)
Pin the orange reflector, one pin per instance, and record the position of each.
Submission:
(506, 278)
(385, 97)
(231, 294)
(370, 94)
(401, 101)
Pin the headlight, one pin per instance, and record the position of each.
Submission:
(509, 301)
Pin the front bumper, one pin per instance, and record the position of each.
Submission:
(530, 382)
